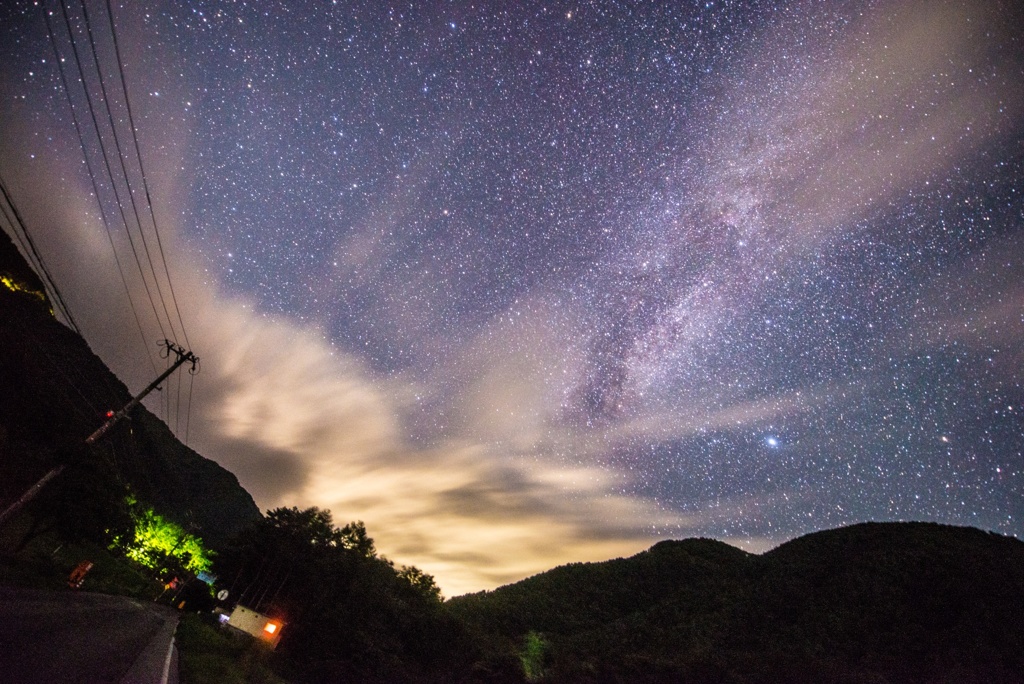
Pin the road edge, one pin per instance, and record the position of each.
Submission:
(153, 665)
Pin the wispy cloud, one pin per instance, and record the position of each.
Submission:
(473, 466)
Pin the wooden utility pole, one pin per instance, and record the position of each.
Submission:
(113, 419)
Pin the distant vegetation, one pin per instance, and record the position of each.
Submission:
(56, 392)
(350, 614)
(883, 602)
(872, 603)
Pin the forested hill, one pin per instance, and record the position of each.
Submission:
(876, 602)
(55, 392)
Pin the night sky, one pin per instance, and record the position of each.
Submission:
(520, 284)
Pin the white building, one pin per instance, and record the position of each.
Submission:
(265, 629)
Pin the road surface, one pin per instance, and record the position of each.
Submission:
(68, 636)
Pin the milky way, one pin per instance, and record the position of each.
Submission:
(529, 284)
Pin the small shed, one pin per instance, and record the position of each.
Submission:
(266, 629)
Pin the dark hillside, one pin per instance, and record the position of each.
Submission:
(915, 601)
(54, 392)
(17, 272)
(579, 596)
(618, 618)
(882, 602)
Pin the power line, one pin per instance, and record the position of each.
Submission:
(112, 420)
(142, 169)
(120, 157)
(44, 272)
(177, 405)
(18, 231)
(106, 163)
(40, 266)
(165, 399)
(87, 85)
(28, 332)
(188, 415)
(21, 241)
(95, 186)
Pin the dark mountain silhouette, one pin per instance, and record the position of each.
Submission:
(54, 393)
(875, 602)
(872, 603)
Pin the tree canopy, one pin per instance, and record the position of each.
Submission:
(347, 611)
(159, 543)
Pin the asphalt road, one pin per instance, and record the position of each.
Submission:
(68, 636)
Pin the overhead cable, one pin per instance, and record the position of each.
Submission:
(142, 169)
(95, 186)
(44, 273)
(106, 163)
(121, 159)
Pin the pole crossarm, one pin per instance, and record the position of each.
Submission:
(113, 419)
(169, 347)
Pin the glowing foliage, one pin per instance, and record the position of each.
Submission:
(533, 656)
(157, 541)
(14, 286)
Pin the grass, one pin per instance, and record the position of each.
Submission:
(210, 654)
(46, 563)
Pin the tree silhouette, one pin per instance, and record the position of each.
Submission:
(348, 613)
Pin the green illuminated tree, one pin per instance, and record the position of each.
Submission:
(533, 656)
(159, 543)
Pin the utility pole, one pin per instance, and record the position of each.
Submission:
(183, 356)
(112, 419)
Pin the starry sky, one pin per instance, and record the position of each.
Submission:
(521, 284)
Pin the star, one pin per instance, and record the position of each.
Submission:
(527, 272)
